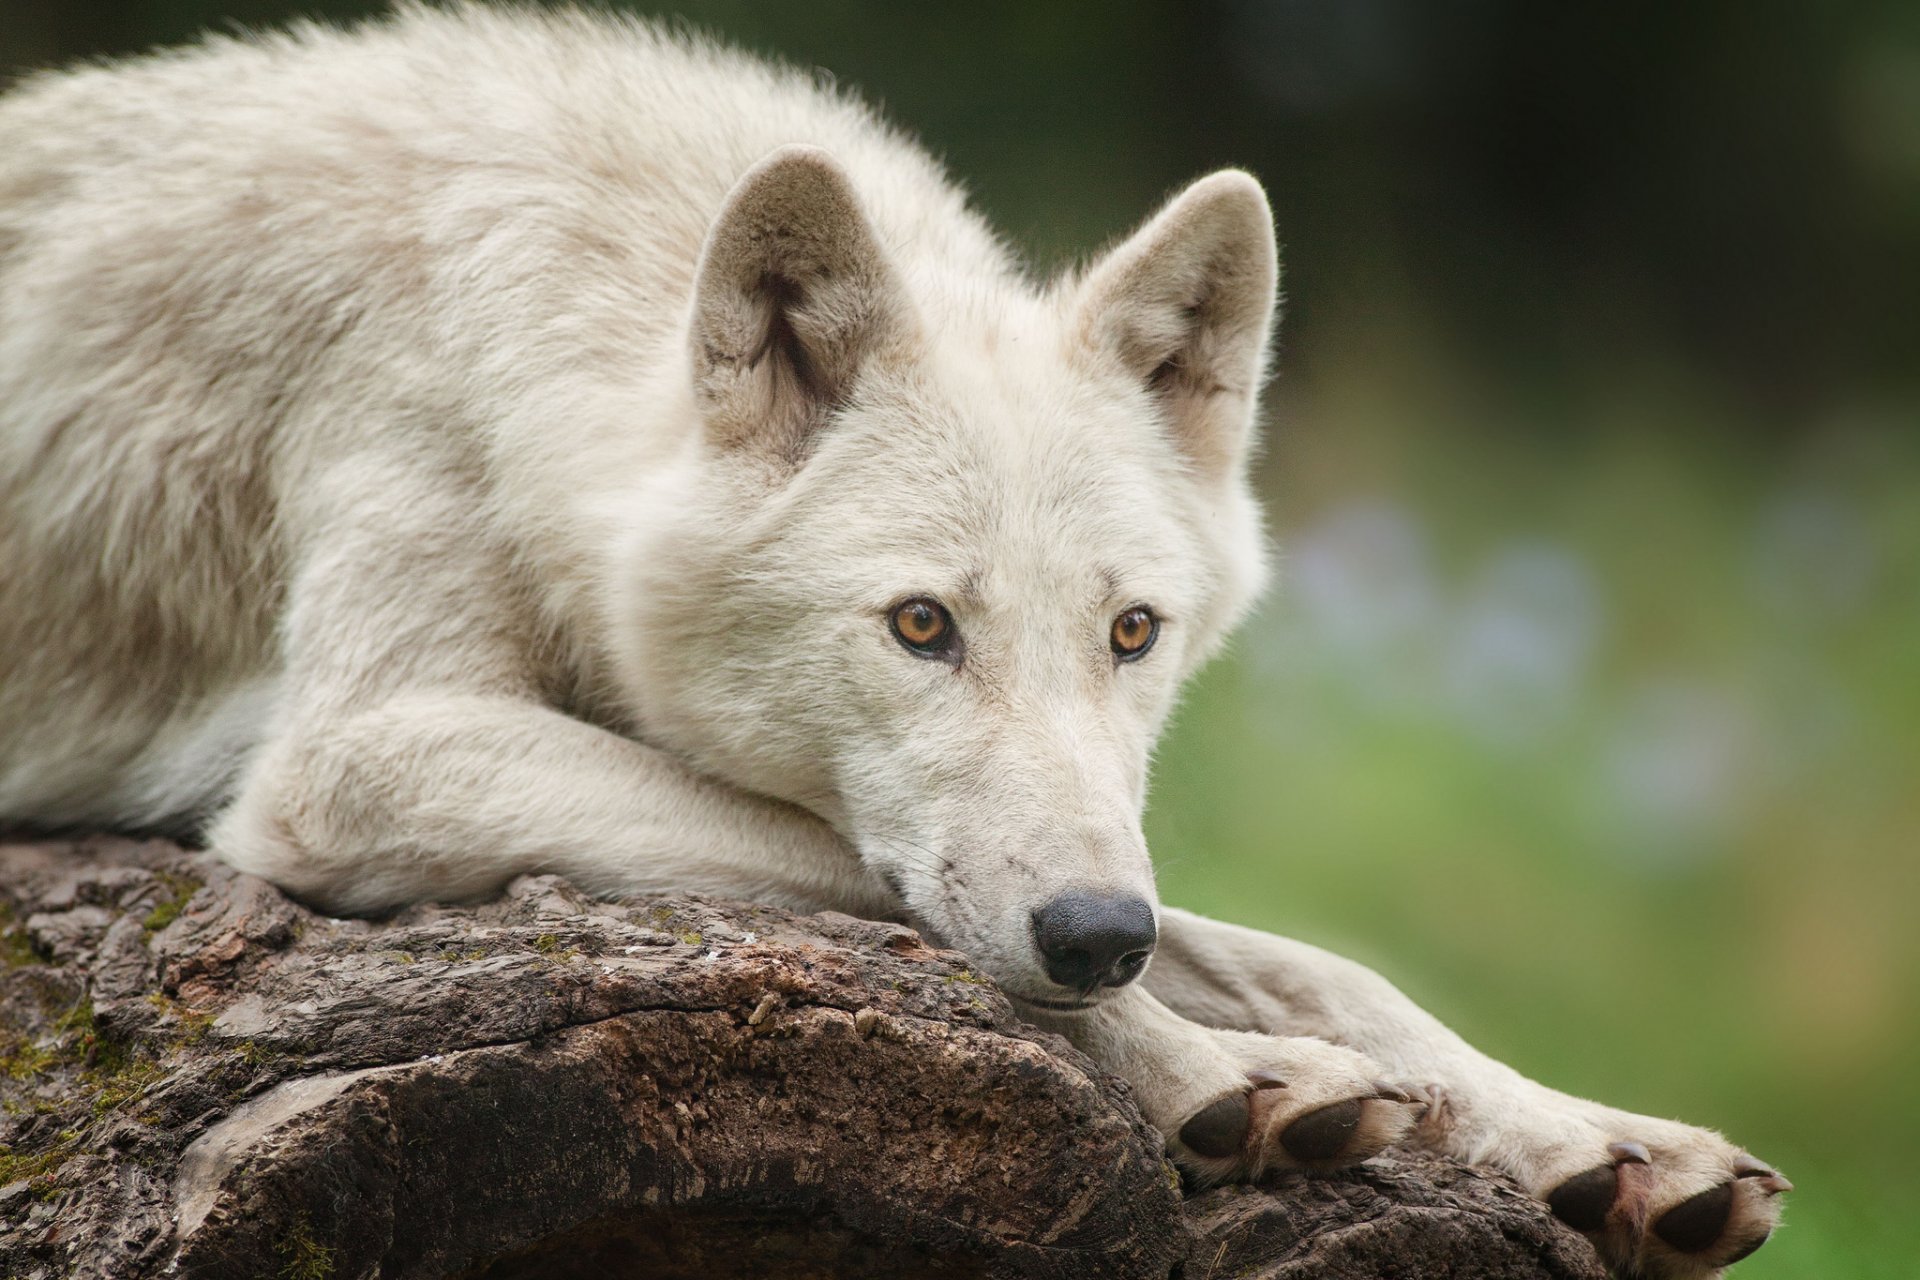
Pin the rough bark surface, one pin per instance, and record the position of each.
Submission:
(198, 1077)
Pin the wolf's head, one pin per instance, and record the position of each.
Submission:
(946, 546)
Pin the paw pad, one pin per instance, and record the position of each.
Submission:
(1695, 1223)
(1323, 1134)
(1218, 1129)
(1705, 1232)
(1584, 1200)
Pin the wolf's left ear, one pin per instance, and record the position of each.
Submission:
(1186, 306)
(792, 297)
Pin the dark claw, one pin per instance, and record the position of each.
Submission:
(1695, 1223)
(1322, 1134)
(1584, 1200)
(1219, 1128)
(1266, 1080)
(1629, 1153)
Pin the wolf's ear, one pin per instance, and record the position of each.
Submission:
(793, 294)
(1186, 306)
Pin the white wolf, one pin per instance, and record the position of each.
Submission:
(485, 442)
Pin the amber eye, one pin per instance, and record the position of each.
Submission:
(1134, 632)
(924, 626)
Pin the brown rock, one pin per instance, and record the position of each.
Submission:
(201, 1078)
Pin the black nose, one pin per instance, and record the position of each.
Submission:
(1094, 939)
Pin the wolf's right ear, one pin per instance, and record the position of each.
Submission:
(792, 297)
(1186, 306)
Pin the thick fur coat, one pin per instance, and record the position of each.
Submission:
(487, 442)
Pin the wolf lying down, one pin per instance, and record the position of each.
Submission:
(483, 443)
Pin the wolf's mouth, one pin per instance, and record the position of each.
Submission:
(1059, 1006)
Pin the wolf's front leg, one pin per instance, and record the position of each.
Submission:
(1236, 1104)
(446, 794)
(1658, 1198)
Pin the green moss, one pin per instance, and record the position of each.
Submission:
(116, 1088)
(691, 938)
(87, 1044)
(39, 1166)
(180, 889)
(113, 1070)
(15, 1166)
(193, 1025)
(79, 1017)
(23, 1059)
(305, 1258)
(16, 948)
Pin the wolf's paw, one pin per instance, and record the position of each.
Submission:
(1304, 1104)
(1662, 1201)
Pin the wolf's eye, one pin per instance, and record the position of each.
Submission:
(1134, 632)
(924, 626)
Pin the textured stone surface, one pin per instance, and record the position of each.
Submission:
(1398, 1215)
(201, 1078)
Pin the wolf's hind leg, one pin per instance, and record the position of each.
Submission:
(1659, 1199)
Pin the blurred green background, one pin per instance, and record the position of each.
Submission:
(1588, 708)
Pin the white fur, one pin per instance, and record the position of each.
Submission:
(484, 442)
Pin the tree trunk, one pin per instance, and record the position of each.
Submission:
(202, 1078)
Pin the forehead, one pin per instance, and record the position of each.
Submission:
(997, 461)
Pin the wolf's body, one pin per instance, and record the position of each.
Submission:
(484, 443)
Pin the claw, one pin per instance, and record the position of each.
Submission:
(1430, 1106)
(1390, 1092)
(1773, 1183)
(1264, 1079)
(1629, 1153)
